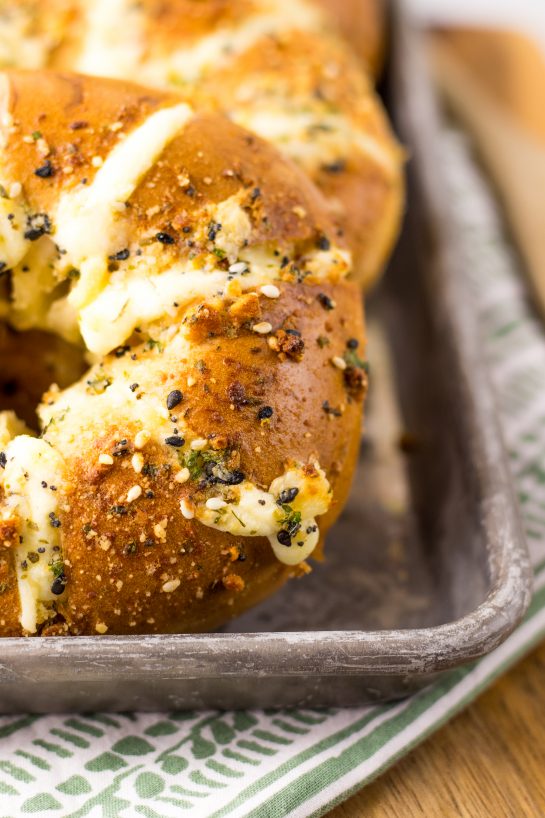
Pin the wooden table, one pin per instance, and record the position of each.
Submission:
(489, 762)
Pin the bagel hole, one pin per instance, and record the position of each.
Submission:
(30, 362)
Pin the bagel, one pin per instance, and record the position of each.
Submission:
(276, 67)
(210, 444)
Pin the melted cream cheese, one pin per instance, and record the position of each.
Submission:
(13, 244)
(18, 45)
(30, 462)
(257, 513)
(89, 222)
(311, 138)
(10, 426)
(116, 41)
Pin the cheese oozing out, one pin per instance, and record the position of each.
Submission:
(252, 512)
(32, 468)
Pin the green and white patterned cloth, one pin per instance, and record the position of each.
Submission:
(303, 762)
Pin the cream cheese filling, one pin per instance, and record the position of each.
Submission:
(250, 512)
(32, 468)
(138, 297)
(313, 139)
(89, 222)
(116, 41)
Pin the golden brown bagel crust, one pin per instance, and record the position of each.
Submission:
(363, 24)
(220, 575)
(294, 69)
(133, 562)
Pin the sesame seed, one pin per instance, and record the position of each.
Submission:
(141, 439)
(199, 444)
(182, 476)
(270, 290)
(215, 503)
(15, 190)
(263, 328)
(101, 627)
(186, 509)
(134, 493)
(137, 462)
(191, 381)
(238, 267)
(106, 459)
(340, 363)
(170, 586)
(97, 161)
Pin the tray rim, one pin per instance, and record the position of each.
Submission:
(409, 652)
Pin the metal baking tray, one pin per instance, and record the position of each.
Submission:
(427, 568)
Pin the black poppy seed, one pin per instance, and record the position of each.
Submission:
(58, 585)
(324, 243)
(352, 343)
(284, 538)
(293, 332)
(121, 255)
(41, 550)
(150, 495)
(175, 440)
(256, 193)
(54, 520)
(33, 557)
(325, 301)
(133, 387)
(121, 510)
(3, 460)
(174, 398)
(121, 351)
(45, 171)
(335, 167)
(53, 488)
(186, 229)
(261, 502)
(37, 225)
(164, 238)
(265, 413)
(44, 484)
(190, 191)
(287, 496)
(213, 230)
(284, 263)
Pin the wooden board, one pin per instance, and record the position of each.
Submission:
(489, 762)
